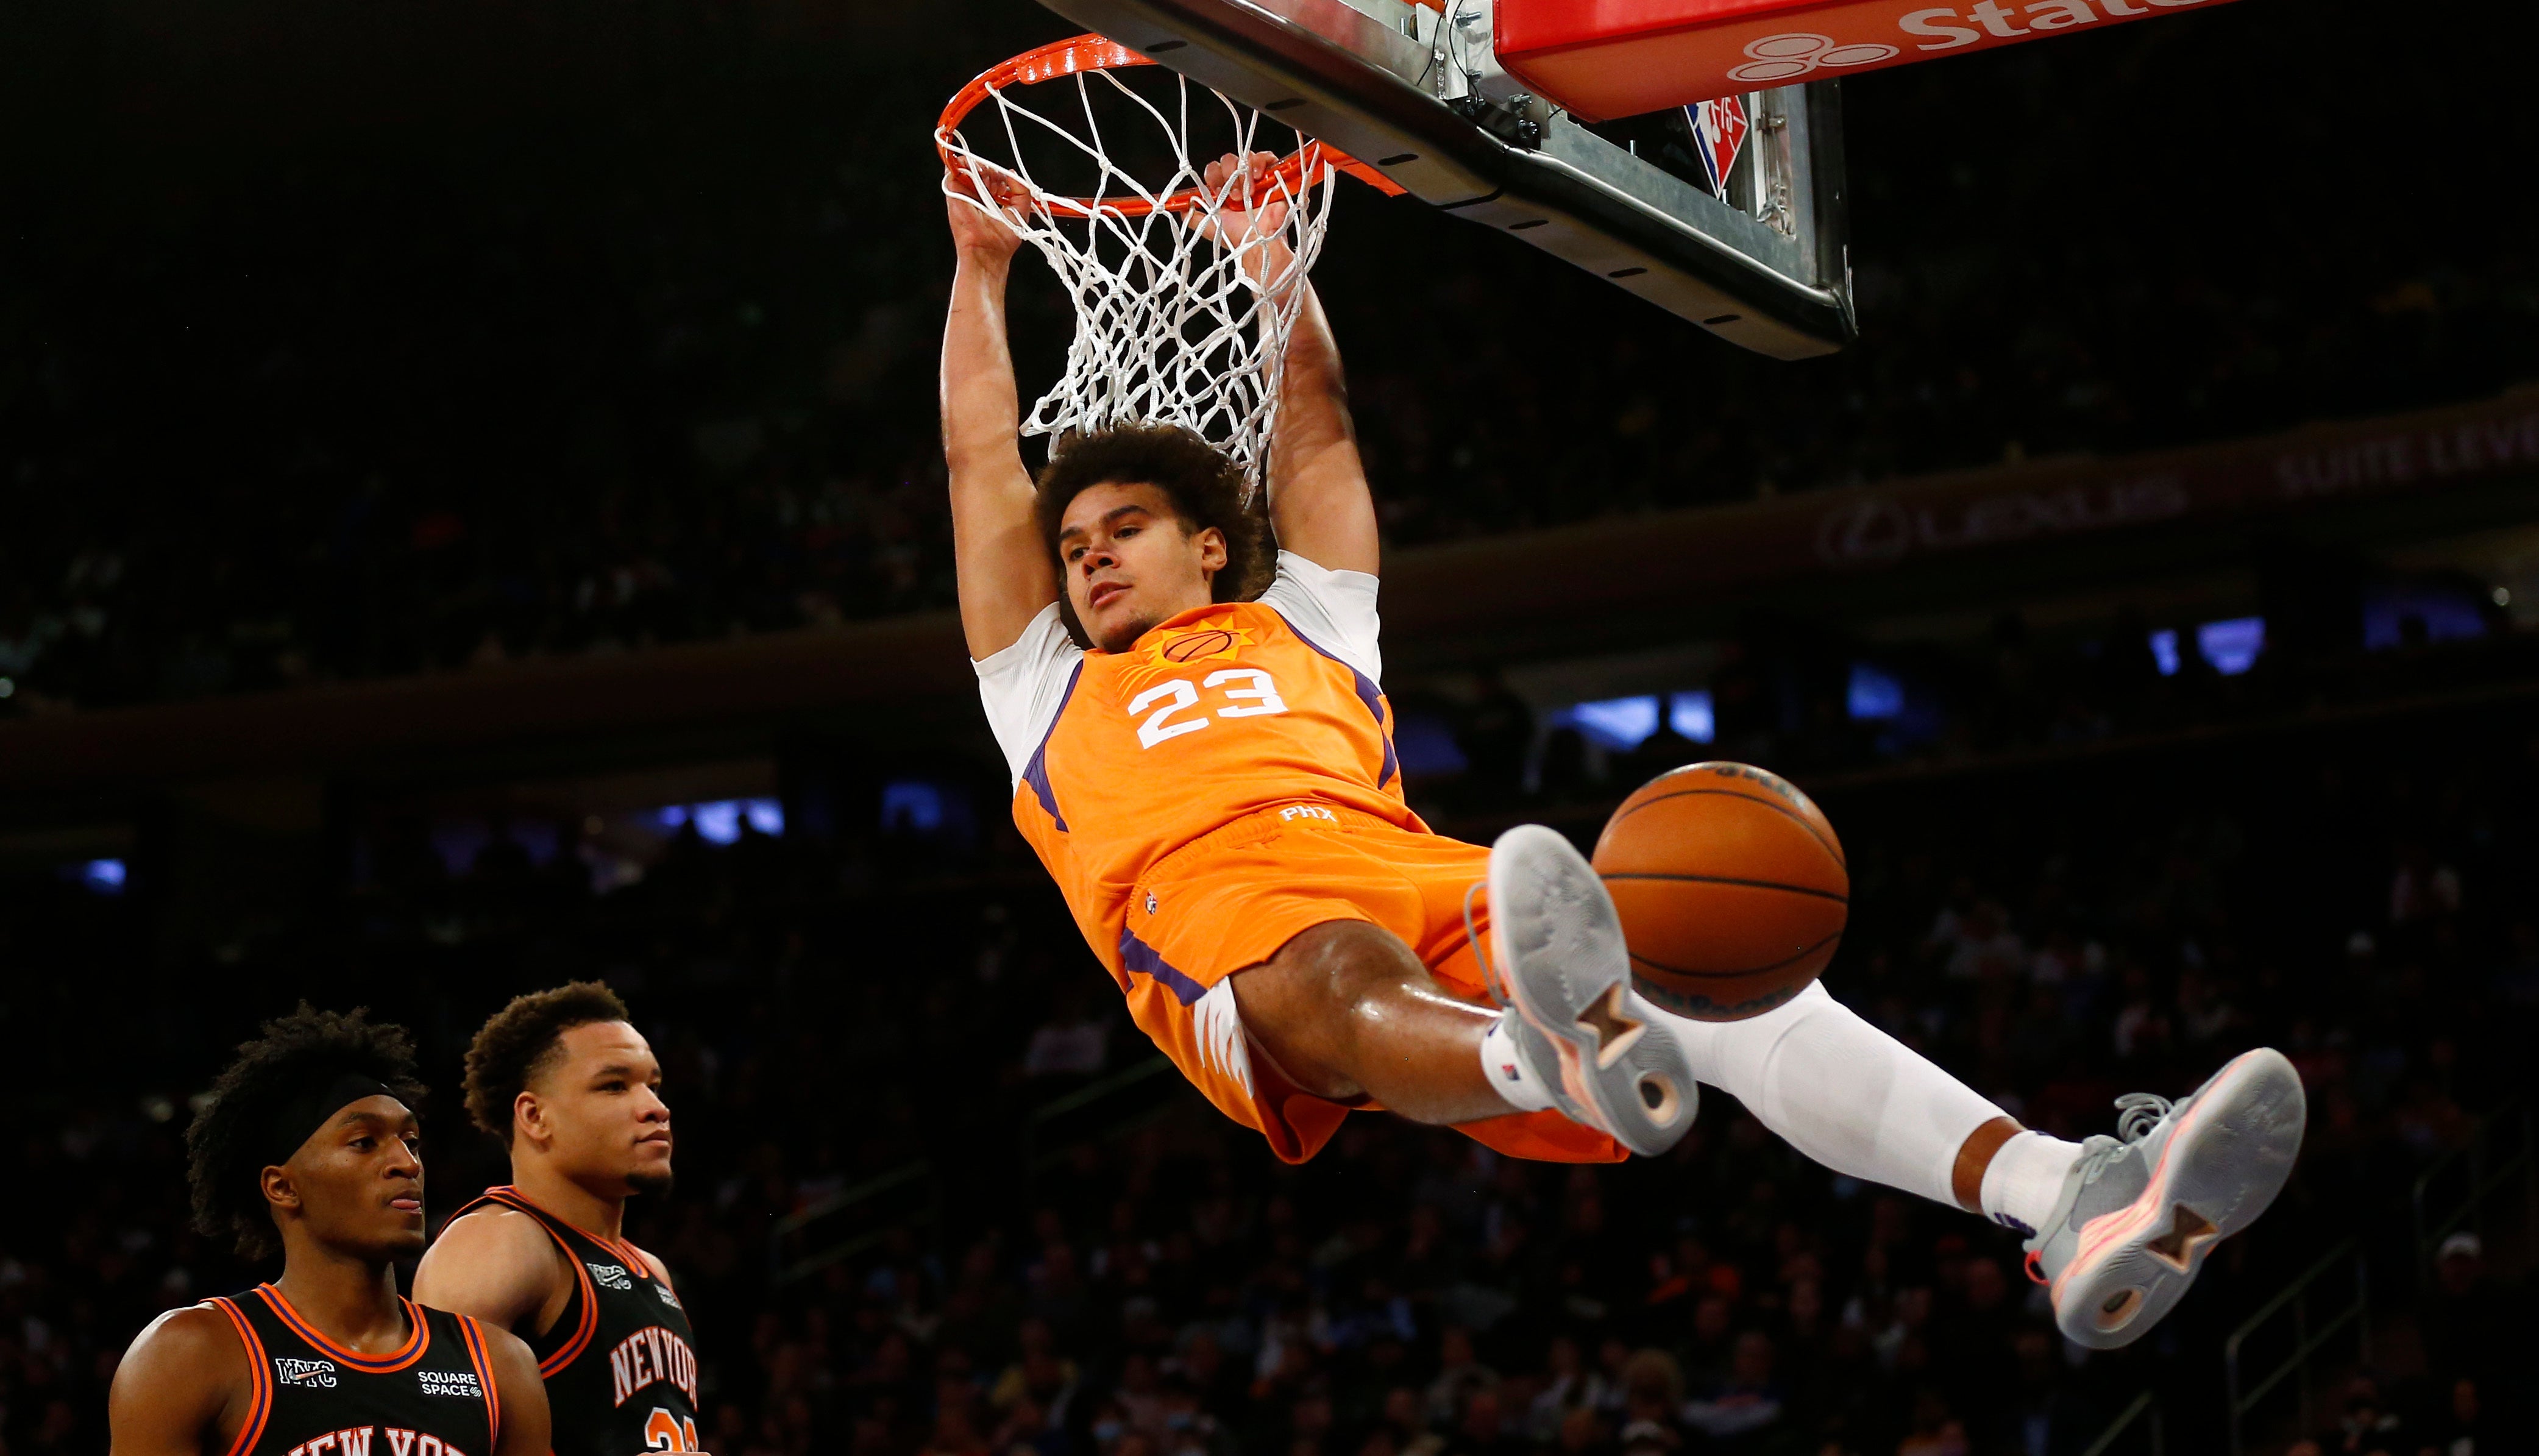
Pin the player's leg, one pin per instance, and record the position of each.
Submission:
(1350, 1009)
(2118, 1228)
(1346, 1011)
(1863, 1103)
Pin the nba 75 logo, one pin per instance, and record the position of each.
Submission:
(611, 1277)
(305, 1372)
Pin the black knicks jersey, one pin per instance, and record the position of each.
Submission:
(312, 1397)
(620, 1366)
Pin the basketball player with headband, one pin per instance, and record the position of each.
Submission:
(1187, 693)
(308, 1148)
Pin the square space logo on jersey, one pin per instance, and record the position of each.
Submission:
(319, 1373)
(451, 1382)
(1718, 134)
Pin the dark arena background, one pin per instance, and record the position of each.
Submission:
(472, 515)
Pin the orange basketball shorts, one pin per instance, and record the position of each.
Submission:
(1229, 899)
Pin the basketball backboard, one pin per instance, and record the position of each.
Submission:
(1420, 95)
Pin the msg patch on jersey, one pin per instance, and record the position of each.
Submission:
(451, 1382)
(304, 1372)
(610, 1275)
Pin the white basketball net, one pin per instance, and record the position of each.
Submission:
(1184, 296)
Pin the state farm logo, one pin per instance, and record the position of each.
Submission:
(1786, 58)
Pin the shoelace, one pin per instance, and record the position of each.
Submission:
(2137, 1114)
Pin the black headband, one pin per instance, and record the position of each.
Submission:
(314, 1105)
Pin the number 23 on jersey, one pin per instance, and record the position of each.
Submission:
(1173, 707)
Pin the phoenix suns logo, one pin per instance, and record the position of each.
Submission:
(1203, 641)
(1197, 644)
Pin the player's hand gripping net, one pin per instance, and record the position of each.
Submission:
(1185, 288)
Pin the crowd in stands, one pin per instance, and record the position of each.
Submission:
(1141, 1278)
(575, 332)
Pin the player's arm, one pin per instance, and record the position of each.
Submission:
(1319, 500)
(526, 1428)
(497, 1265)
(173, 1385)
(1003, 567)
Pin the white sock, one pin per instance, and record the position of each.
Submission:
(1842, 1092)
(2025, 1180)
(1508, 1075)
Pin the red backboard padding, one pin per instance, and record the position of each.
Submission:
(1609, 58)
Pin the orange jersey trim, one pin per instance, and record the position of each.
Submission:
(369, 1364)
(260, 1380)
(583, 1328)
(482, 1354)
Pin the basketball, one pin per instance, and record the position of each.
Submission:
(1731, 885)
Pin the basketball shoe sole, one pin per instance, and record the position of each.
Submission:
(1556, 950)
(2138, 1216)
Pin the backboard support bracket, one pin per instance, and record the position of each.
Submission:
(1387, 82)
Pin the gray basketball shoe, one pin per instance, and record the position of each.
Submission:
(1610, 1058)
(2141, 1210)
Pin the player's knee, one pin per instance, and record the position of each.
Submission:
(1322, 970)
(1347, 957)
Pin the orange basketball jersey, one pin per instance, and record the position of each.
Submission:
(1214, 715)
(1224, 785)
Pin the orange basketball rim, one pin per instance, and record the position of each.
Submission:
(1059, 59)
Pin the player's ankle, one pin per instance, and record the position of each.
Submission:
(2025, 1180)
(1504, 1066)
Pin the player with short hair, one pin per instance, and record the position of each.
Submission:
(573, 1091)
(307, 1148)
(1202, 757)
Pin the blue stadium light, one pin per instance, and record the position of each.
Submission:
(106, 876)
(2233, 644)
(1618, 723)
(913, 804)
(1426, 744)
(717, 823)
(2445, 612)
(1874, 695)
(1690, 715)
(720, 821)
(2164, 651)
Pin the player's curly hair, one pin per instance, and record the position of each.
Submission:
(511, 1047)
(1203, 484)
(225, 1145)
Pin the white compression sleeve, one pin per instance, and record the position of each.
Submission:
(1842, 1092)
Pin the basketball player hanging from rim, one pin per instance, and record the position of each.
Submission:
(1187, 697)
(573, 1091)
(308, 1148)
